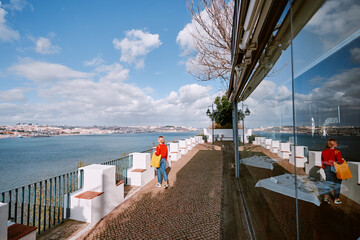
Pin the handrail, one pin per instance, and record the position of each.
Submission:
(46, 203)
(42, 204)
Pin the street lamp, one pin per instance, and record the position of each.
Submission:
(242, 117)
(208, 113)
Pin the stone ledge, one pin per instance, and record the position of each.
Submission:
(17, 231)
(120, 182)
(139, 170)
(89, 195)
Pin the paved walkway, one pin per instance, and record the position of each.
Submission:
(189, 209)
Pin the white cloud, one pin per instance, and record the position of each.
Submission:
(336, 18)
(44, 46)
(271, 105)
(17, 5)
(187, 44)
(101, 97)
(186, 39)
(88, 102)
(94, 62)
(193, 92)
(13, 95)
(114, 72)
(42, 71)
(136, 45)
(340, 89)
(355, 54)
(7, 34)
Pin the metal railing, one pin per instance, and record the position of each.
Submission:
(46, 203)
(43, 204)
(121, 166)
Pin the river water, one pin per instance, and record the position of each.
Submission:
(28, 160)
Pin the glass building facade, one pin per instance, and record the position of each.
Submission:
(311, 94)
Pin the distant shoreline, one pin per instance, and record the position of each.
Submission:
(97, 134)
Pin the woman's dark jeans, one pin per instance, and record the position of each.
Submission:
(331, 177)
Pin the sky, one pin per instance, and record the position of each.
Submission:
(326, 70)
(123, 63)
(99, 63)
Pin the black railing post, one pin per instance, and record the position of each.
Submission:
(45, 197)
(22, 205)
(28, 208)
(50, 198)
(34, 215)
(40, 200)
(16, 204)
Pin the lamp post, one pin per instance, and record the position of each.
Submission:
(208, 113)
(242, 117)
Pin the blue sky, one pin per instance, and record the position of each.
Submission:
(98, 62)
(326, 68)
(122, 63)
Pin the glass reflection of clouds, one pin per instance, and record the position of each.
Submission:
(331, 88)
(328, 82)
(327, 89)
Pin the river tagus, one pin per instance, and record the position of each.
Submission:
(28, 160)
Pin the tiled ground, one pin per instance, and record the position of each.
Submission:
(271, 209)
(188, 209)
(63, 231)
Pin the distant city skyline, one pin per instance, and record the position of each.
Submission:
(33, 130)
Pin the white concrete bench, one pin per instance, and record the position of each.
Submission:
(268, 143)
(351, 187)
(141, 173)
(4, 209)
(174, 152)
(193, 142)
(284, 150)
(99, 195)
(11, 230)
(169, 160)
(257, 141)
(188, 144)
(182, 147)
(274, 147)
(262, 141)
(199, 139)
(314, 168)
(298, 155)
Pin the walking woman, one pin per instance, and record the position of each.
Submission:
(163, 150)
(328, 157)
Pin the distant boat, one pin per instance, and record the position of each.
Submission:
(20, 136)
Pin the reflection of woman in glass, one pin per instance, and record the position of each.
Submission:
(328, 157)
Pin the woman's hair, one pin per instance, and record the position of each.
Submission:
(330, 143)
(162, 139)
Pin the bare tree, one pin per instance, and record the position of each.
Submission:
(211, 34)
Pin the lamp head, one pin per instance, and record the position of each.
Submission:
(247, 112)
(208, 112)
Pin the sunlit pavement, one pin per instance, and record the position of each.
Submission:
(188, 209)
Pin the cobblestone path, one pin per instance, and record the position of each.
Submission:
(188, 209)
